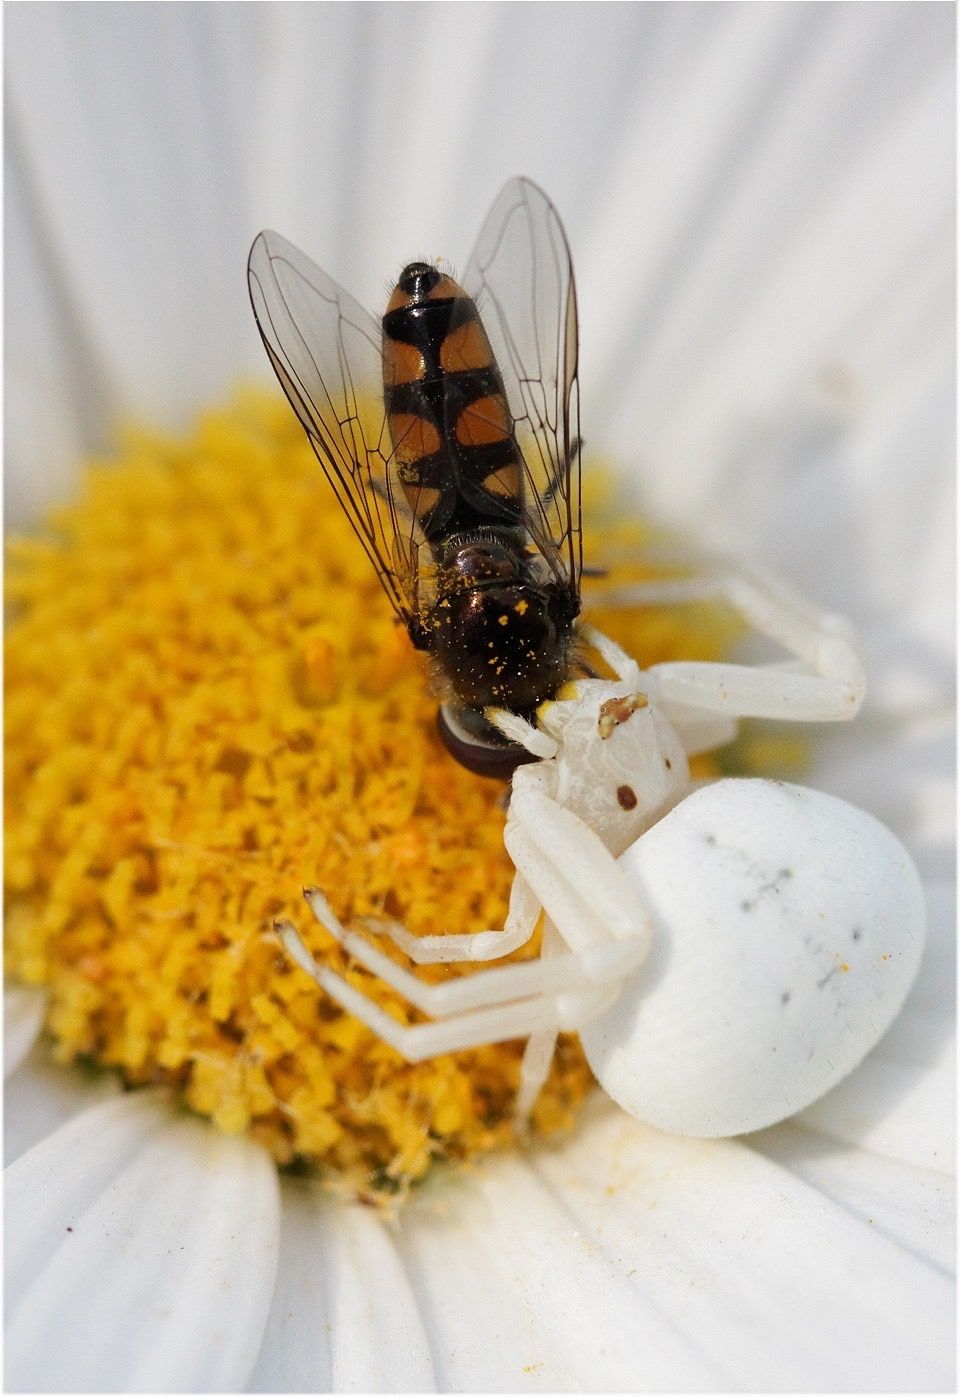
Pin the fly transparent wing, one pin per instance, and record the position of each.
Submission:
(327, 353)
(521, 276)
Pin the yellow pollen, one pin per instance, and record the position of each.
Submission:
(196, 727)
(522, 608)
(503, 620)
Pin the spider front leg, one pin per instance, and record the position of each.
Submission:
(489, 1007)
(416, 1042)
(596, 962)
(581, 886)
(538, 1054)
(520, 924)
(600, 916)
(827, 684)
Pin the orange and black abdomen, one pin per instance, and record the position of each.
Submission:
(449, 422)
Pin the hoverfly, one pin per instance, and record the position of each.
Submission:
(450, 434)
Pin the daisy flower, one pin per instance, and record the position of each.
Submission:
(759, 200)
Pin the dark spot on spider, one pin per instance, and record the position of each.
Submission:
(668, 763)
(857, 933)
(747, 906)
(786, 873)
(69, 1229)
(785, 997)
(627, 797)
(710, 839)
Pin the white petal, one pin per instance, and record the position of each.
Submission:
(142, 1253)
(915, 1208)
(634, 1261)
(894, 1109)
(41, 1096)
(505, 1245)
(902, 772)
(767, 1278)
(23, 1011)
(786, 172)
(343, 1317)
(146, 244)
(47, 371)
(295, 1353)
(478, 1317)
(369, 1291)
(50, 1186)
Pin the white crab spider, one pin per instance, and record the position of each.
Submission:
(786, 926)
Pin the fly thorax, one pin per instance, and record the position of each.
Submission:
(482, 563)
(499, 644)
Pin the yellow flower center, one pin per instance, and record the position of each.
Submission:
(209, 705)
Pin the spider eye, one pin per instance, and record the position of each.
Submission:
(626, 797)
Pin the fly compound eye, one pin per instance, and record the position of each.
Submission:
(476, 744)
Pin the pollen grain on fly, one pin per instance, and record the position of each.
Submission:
(196, 727)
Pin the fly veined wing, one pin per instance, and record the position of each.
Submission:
(327, 353)
(521, 276)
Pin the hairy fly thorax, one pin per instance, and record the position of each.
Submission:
(501, 632)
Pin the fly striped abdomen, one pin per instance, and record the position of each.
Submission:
(446, 408)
